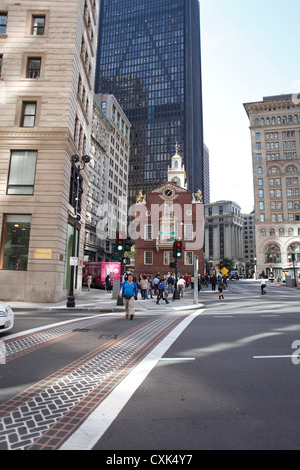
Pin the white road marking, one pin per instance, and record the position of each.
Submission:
(89, 433)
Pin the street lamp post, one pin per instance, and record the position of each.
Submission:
(75, 159)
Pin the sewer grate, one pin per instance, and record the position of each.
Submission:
(82, 330)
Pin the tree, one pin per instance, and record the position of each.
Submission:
(227, 263)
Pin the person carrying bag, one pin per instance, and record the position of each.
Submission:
(129, 291)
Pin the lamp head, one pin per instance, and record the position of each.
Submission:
(75, 158)
(85, 159)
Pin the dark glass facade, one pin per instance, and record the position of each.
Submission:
(149, 58)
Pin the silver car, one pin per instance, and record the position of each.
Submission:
(6, 317)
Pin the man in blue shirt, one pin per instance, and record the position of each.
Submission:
(129, 290)
(162, 292)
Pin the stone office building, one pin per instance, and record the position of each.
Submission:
(223, 235)
(275, 138)
(47, 51)
(108, 178)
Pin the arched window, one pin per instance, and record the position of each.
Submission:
(281, 232)
(291, 232)
(295, 249)
(274, 170)
(273, 254)
(291, 169)
(296, 119)
(263, 233)
(272, 232)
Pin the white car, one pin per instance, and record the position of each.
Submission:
(6, 317)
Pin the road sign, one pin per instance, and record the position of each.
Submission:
(224, 271)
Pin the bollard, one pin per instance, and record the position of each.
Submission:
(2, 353)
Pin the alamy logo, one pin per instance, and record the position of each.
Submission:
(296, 354)
(2, 93)
(296, 94)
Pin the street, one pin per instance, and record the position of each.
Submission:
(223, 375)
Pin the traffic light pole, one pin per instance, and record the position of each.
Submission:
(176, 295)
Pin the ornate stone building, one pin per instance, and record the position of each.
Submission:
(275, 137)
(48, 51)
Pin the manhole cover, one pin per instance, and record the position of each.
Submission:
(108, 336)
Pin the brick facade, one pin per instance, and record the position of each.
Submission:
(163, 215)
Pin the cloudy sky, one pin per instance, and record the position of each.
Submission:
(250, 49)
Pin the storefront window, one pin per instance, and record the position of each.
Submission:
(15, 242)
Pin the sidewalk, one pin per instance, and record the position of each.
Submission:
(98, 300)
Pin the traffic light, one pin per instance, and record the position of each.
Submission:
(120, 243)
(177, 249)
(222, 264)
(128, 244)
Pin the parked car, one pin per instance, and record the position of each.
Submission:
(6, 317)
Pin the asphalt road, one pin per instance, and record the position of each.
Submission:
(223, 377)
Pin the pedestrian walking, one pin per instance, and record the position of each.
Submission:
(108, 284)
(129, 291)
(221, 288)
(144, 285)
(149, 291)
(262, 286)
(155, 283)
(162, 291)
(181, 285)
(170, 282)
(89, 281)
(213, 281)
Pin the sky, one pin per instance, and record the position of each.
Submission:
(250, 49)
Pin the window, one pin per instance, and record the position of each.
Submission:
(168, 257)
(28, 114)
(33, 67)
(22, 172)
(1, 60)
(148, 232)
(189, 257)
(148, 257)
(15, 242)
(188, 232)
(38, 25)
(3, 22)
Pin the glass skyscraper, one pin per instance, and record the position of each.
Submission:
(149, 58)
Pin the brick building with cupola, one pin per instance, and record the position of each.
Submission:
(168, 213)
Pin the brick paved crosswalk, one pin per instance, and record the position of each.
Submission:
(46, 414)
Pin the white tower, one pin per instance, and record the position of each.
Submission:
(176, 173)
